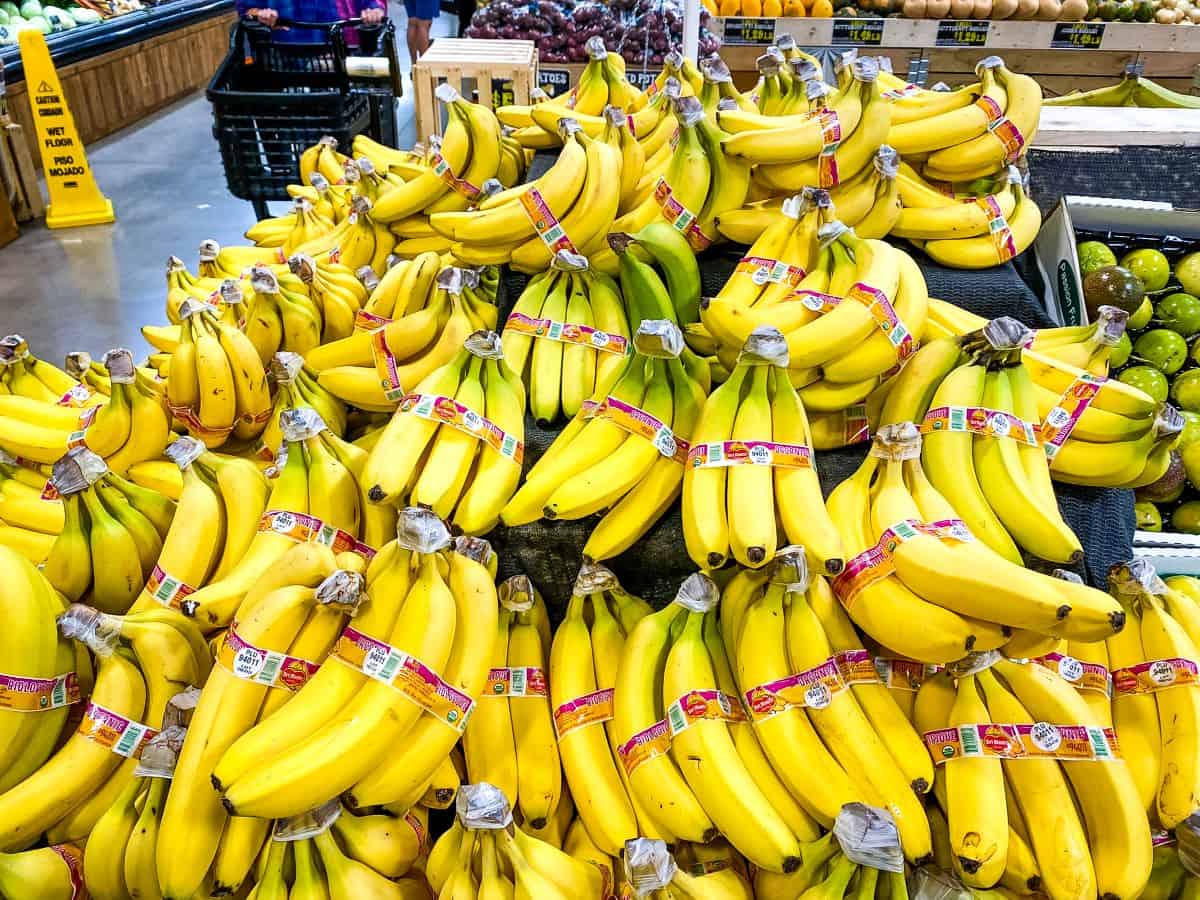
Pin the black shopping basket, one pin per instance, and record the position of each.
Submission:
(272, 100)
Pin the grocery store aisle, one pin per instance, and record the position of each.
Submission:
(91, 288)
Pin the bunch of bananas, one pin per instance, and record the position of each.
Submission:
(456, 443)
(213, 290)
(829, 874)
(317, 495)
(287, 232)
(751, 459)
(625, 452)
(510, 741)
(1095, 430)
(943, 591)
(484, 855)
(127, 426)
(407, 286)
(851, 309)
(141, 662)
(602, 83)
(567, 337)
(1075, 828)
(296, 386)
(959, 139)
(294, 615)
(425, 339)
(112, 534)
(1131, 90)
(712, 871)
(31, 518)
(23, 374)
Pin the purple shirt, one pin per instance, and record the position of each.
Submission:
(312, 11)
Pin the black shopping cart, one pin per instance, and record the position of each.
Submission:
(272, 99)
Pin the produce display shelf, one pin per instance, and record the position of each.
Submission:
(86, 41)
(956, 33)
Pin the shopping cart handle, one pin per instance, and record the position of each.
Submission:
(281, 22)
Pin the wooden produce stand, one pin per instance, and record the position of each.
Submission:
(120, 87)
(493, 73)
(1062, 56)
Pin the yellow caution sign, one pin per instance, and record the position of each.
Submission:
(74, 197)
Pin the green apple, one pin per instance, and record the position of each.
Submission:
(1150, 266)
(1187, 272)
(1148, 380)
(1162, 348)
(1147, 516)
(1140, 317)
(1180, 312)
(1186, 517)
(1185, 390)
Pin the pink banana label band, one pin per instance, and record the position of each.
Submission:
(637, 421)
(76, 397)
(700, 705)
(1037, 740)
(645, 745)
(764, 270)
(831, 137)
(167, 589)
(386, 366)
(981, 421)
(369, 321)
(1062, 419)
(188, 417)
(72, 858)
(442, 169)
(1010, 137)
(750, 453)
(569, 333)
(522, 681)
(909, 90)
(1086, 676)
(813, 688)
(448, 411)
(990, 108)
(877, 562)
(903, 674)
(306, 529)
(114, 732)
(407, 675)
(261, 666)
(681, 218)
(21, 694)
(857, 427)
(1160, 838)
(590, 709)
(998, 229)
(77, 438)
(545, 223)
(879, 305)
(419, 830)
(1155, 675)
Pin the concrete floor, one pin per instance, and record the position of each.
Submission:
(92, 288)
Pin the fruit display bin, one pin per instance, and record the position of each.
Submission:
(492, 72)
(1063, 56)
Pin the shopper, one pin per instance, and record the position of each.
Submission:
(370, 11)
(465, 9)
(421, 14)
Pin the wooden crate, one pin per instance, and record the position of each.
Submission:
(492, 73)
(18, 175)
(115, 89)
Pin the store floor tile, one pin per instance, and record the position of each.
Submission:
(91, 288)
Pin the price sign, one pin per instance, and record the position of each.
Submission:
(640, 80)
(961, 33)
(1077, 36)
(502, 92)
(857, 32)
(749, 31)
(554, 81)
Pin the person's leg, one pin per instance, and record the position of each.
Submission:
(410, 7)
(465, 9)
(421, 41)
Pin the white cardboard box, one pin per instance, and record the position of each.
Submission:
(1054, 247)
(1171, 553)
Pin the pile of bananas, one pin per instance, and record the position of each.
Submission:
(1095, 430)
(31, 517)
(112, 535)
(567, 337)
(750, 463)
(296, 386)
(374, 369)
(123, 419)
(456, 443)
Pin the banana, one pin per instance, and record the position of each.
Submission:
(141, 876)
(952, 128)
(539, 774)
(489, 743)
(55, 871)
(388, 844)
(104, 856)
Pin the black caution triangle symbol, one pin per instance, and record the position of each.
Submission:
(45, 88)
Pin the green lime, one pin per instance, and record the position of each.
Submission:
(1180, 312)
(1107, 10)
(1149, 265)
(1185, 390)
(1148, 380)
(1162, 348)
(1147, 516)
(1186, 517)
(1191, 462)
(1094, 255)
(1125, 11)
(1191, 427)
(1121, 352)
(1141, 316)
(1187, 272)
